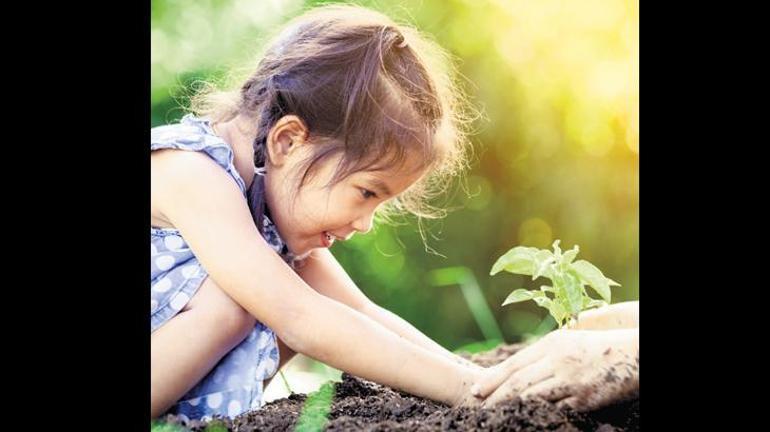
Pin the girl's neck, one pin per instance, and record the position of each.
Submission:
(235, 133)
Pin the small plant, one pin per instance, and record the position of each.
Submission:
(568, 280)
(315, 411)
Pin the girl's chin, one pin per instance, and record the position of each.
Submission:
(305, 254)
(304, 251)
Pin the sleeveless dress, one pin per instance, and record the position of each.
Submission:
(234, 385)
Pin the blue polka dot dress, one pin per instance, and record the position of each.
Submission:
(234, 385)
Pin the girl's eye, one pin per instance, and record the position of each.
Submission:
(368, 194)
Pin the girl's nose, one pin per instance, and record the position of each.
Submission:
(364, 223)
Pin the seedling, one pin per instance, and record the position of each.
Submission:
(568, 280)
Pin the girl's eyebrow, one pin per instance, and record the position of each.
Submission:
(380, 185)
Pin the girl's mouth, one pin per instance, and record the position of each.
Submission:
(327, 239)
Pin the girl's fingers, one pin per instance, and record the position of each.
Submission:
(521, 359)
(520, 381)
(485, 386)
(569, 402)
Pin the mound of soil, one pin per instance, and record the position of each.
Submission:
(360, 405)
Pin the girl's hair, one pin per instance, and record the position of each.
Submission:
(367, 88)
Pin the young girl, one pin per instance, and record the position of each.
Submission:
(348, 114)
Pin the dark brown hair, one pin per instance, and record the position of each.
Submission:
(367, 88)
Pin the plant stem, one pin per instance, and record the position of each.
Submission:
(286, 383)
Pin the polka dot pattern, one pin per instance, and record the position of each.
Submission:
(235, 385)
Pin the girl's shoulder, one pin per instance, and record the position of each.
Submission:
(191, 133)
(195, 134)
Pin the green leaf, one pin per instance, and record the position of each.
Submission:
(543, 261)
(162, 426)
(573, 290)
(519, 260)
(589, 303)
(315, 411)
(216, 426)
(521, 295)
(556, 249)
(593, 277)
(558, 312)
(477, 347)
(543, 301)
(570, 255)
(547, 288)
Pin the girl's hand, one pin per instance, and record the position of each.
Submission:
(614, 316)
(582, 369)
(465, 397)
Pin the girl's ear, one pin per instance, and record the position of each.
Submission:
(285, 137)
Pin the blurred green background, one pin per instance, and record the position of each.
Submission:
(556, 155)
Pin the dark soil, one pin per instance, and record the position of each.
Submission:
(365, 406)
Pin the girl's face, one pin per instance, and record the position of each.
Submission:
(306, 221)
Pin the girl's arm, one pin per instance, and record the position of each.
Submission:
(200, 200)
(404, 329)
(323, 273)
